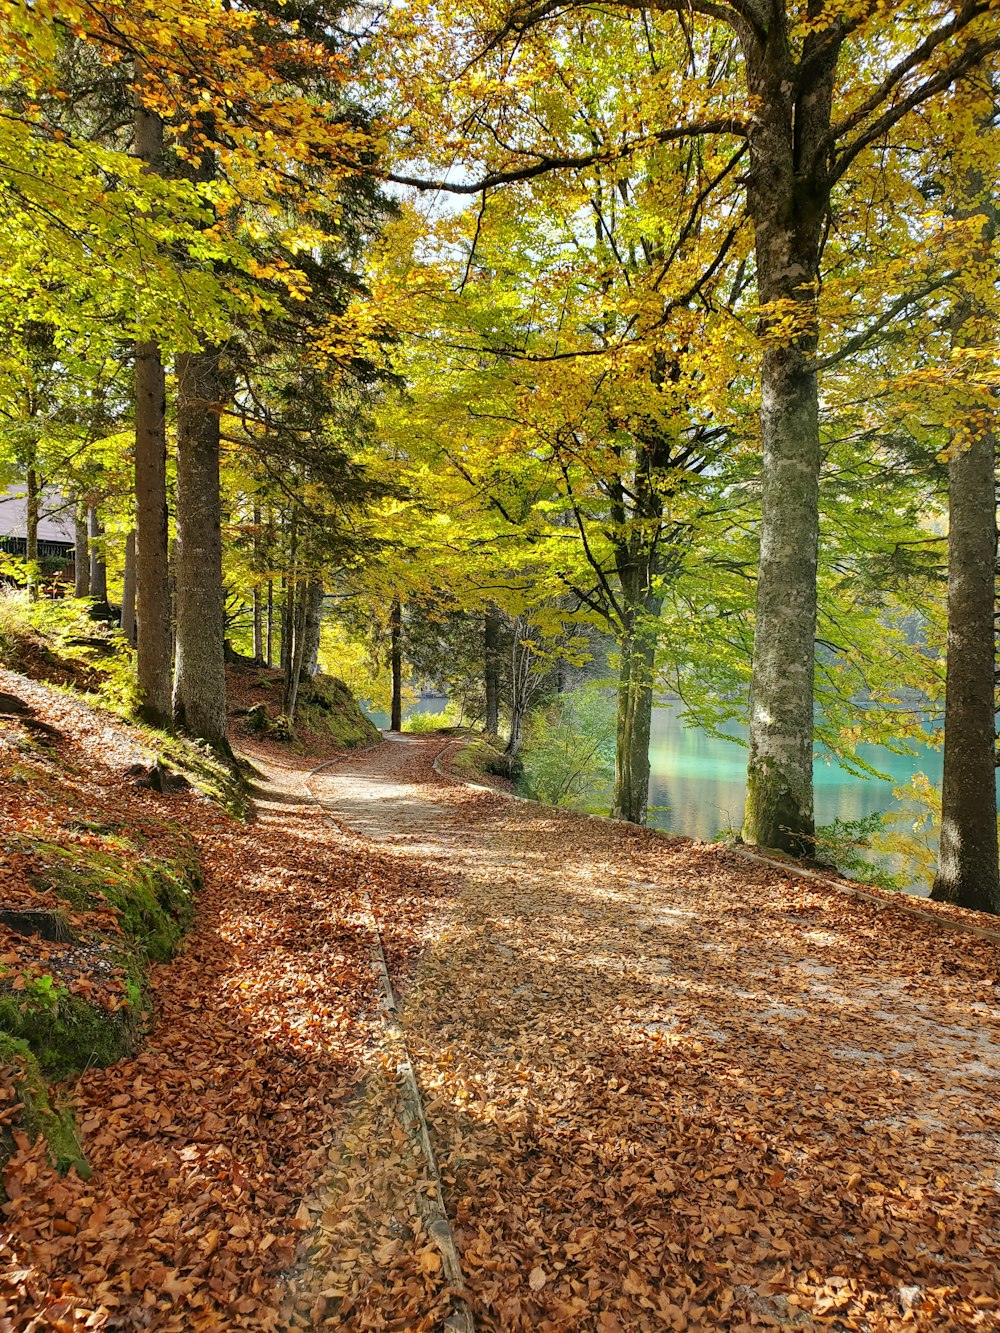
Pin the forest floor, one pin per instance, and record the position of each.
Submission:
(667, 1088)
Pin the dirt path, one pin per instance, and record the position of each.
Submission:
(673, 1090)
(666, 1089)
(207, 1145)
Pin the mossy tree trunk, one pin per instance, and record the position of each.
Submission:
(199, 676)
(788, 194)
(968, 867)
(634, 723)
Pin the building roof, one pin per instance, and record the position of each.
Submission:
(55, 524)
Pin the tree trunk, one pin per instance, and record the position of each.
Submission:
(491, 670)
(81, 551)
(269, 649)
(153, 600)
(258, 611)
(312, 627)
(127, 619)
(33, 489)
(153, 646)
(200, 678)
(630, 798)
(969, 863)
(296, 653)
(98, 564)
(788, 196)
(396, 654)
(779, 806)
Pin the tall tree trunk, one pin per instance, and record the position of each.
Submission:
(491, 670)
(127, 619)
(153, 634)
(153, 600)
(630, 798)
(81, 551)
(98, 563)
(32, 502)
(396, 656)
(258, 610)
(788, 196)
(779, 806)
(287, 610)
(200, 677)
(269, 648)
(312, 628)
(969, 865)
(296, 653)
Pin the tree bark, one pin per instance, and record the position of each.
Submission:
(258, 610)
(200, 678)
(491, 670)
(127, 619)
(81, 551)
(396, 655)
(32, 499)
(630, 798)
(311, 630)
(153, 646)
(788, 195)
(153, 602)
(98, 564)
(296, 654)
(969, 862)
(269, 647)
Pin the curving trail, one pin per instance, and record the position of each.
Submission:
(671, 1089)
(666, 1088)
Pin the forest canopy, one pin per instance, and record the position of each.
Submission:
(543, 354)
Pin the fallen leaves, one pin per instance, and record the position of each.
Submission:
(209, 1145)
(667, 1089)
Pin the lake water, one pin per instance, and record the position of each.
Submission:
(701, 780)
(698, 781)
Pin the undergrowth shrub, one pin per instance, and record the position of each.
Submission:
(569, 749)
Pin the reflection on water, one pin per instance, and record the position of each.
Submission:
(698, 782)
(702, 780)
(427, 703)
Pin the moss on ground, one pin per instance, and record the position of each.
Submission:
(478, 761)
(56, 1033)
(37, 1114)
(66, 1033)
(154, 902)
(328, 708)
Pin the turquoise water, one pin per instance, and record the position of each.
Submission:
(701, 780)
(698, 783)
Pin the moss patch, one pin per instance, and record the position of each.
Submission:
(328, 708)
(64, 1032)
(92, 1004)
(37, 1114)
(153, 902)
(479, 760)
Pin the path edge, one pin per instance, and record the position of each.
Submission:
(772, 863)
